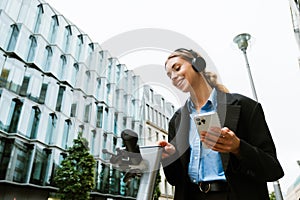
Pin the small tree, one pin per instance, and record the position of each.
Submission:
(75, 176)
(272, 196)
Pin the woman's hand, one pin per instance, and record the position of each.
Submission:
(168, 149)
(222, 140)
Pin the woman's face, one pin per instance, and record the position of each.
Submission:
(181, 73)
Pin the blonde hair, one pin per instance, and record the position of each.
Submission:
(210, 77)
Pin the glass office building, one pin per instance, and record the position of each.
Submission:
(295, 15)
(54, 83)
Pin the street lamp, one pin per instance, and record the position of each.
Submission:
(242, 41)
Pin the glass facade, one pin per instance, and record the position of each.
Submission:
(54, 83)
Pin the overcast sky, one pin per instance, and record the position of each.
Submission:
(212, 26)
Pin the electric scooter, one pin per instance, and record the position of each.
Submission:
(143, 162)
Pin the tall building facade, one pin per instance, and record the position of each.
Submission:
(293, 192)
(54, 83)
(295, 14)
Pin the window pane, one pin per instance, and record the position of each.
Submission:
(99, 116)
(24, 87)
(3, 78)
(48, 58)
(53, 29)
(87, 113)
(21, 160)
(33, 122)
(43, 93)
(5, 155)
(13, 38)
(40, 12)
(39, 167)
(32, 49)
(62, 67)
(73, 110)
(51, 128)
(67, 38)
(65, 139)
(60, 97)
(14, 115)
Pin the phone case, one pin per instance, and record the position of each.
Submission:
(204, 121)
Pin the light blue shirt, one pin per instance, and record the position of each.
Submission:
(205, 164)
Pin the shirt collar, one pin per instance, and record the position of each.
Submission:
(211, 102)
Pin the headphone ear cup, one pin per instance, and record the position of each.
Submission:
(198, 64)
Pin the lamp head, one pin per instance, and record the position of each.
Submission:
(242, 40)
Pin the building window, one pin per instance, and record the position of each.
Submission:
(155, 119)
(87, 81)
(14, 115)
(24, 86)
(147, 112)
(60, 98)
(151, 96)
(66, 132)
(38, 173)
(20, 161)
(49, 54)
(43, 93)
(106, 118)
(87, 113)
(63, 64)
(93, 141)
(51, 128)
(53, 29)
(124, 122)
(116, 123)
(67, 36)
(114, 144)
(99, 116)
(118, 72)
(74, 73)
(6, 147)
(162, 104)
(73, 110)
(98, 90)
(79, 47)
(109, 70)
(34, 120)
(40, 12)
(32, 49)
(160, 120)
(13, 38)
(108, 92)
(104, 144)
(4, 77)
(151, 116)
(149, 133)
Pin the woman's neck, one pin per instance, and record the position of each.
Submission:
(200, 94)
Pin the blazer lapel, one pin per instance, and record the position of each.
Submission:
(229, 113)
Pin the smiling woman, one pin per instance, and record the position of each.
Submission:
(227, 162)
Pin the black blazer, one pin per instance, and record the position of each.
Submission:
(248, 175)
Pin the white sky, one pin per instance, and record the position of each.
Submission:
(212, 25)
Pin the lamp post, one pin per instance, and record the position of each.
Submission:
(242, 41)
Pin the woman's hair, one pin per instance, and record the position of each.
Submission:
(210, 77)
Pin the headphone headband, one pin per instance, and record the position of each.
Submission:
(198, 63)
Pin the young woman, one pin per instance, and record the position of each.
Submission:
(231, 162)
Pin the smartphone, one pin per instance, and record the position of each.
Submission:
(204, 121)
